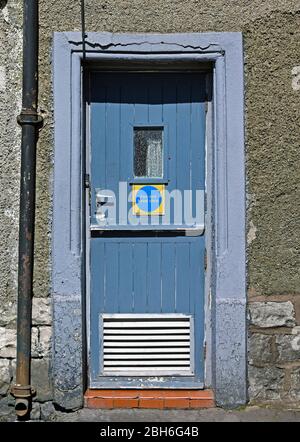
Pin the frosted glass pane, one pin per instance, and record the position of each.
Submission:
(148, 152)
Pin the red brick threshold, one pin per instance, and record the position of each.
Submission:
(149, 399)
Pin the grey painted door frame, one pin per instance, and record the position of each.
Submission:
(226, 286)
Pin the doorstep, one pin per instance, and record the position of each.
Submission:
(163, 399)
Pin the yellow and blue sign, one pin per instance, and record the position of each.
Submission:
(148, 199)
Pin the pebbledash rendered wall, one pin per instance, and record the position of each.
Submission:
(271, 32)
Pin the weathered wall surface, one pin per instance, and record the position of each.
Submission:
(272, 47)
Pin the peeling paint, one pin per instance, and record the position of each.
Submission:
(251, 236)
(296, 78)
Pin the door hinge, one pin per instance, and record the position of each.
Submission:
(205, 259)
(87, 180)
(87, 185)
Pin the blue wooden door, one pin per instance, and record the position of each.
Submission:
(147, 139)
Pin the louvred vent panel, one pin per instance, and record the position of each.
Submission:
(135, 345)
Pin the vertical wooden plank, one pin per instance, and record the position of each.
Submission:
(126, 142)
(97, 300)
(155, 99)
(182, 262)
(169, 118)
(98, 269)
(112, 144)
(112, 270)
(98, 136)
(126, 277)
(140, 277)
(197, 299)
(154, 277)
(126, 130)
(198, 122)
(98, 132)
(183, 123)
(196, 275)
(198, 132)
(168, 277)
(197, 179)
(140, 94)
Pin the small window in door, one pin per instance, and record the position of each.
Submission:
(148, 152)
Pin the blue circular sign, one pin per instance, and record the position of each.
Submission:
(148, 198)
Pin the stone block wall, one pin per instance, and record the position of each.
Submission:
(274, 350)
(41, 354)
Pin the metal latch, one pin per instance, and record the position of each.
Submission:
(102, 199)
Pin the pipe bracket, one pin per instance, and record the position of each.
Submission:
(28, 116)
(22, 391)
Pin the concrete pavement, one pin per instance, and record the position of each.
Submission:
(248, 414)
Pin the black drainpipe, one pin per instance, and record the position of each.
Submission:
(30, 121)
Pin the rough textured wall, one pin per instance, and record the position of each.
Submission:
(10, 100)
(274, 352)
(271, 35)
(272, 50)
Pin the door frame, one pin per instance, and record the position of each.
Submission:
(225, 313)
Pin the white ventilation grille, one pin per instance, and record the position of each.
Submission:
(136, 345)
